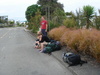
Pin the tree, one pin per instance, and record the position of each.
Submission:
(88, 12)
(75, 18)
(31, 10)
(49, 9)
(36, 21)
(69, 22)
(97, 20)
(48, 6)
(17, 23)
(80, 19)
(58, 16)
(51, 3)
(11, 22)
(3, 19)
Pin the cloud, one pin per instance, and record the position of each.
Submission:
(17, 2)
(15, 9)
(72, 5)
(2, 11)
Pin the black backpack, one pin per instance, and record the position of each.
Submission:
(58, 46)
(72, 59)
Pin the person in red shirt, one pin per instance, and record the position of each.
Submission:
(44, 26)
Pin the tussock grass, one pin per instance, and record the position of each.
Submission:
(81, 40)
(57, 33)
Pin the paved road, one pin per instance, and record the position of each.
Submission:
(18, 56)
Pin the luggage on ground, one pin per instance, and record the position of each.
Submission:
(52, 46)
(47, 50)
(58, 46)
(72, 59)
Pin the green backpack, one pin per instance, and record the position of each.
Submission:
(52, 45)
(47, 50)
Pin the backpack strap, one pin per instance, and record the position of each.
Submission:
(82, 62)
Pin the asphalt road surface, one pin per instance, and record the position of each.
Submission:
(18, 56)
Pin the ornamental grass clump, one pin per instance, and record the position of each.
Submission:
(57, 33)
(84, 41)
(95, 45)
(72, 39)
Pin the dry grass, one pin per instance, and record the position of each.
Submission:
(57, 33)
(82, 40)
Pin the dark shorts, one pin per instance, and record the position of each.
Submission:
(44, 32)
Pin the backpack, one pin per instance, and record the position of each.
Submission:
(52, 45)
(72, 59)
(58, 46)
(52, 41)
(47, 50)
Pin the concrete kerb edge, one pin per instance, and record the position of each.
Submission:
(65, 65)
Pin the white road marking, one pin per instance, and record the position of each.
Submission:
(5, 34)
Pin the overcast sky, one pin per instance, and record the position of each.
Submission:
(15, 9)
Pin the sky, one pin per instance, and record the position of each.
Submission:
(15, 9)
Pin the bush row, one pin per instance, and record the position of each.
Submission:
(85, 41)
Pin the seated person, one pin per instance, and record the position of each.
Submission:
(42, 40)
(37, 41)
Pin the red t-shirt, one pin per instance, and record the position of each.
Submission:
(43, 24)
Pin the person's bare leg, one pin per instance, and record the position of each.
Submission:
(42, 46)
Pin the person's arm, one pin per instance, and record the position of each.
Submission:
(46, 26)
(41, 39)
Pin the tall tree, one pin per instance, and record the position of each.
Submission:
(97, 20)
(58, 16)
(80, 19)
(49, 6)
(36, 21)
(88, 12)
(31, 10)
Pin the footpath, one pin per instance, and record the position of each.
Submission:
(90, 68)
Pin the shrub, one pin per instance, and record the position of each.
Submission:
(69, 22)
(85, 41)
(52, 25)
(56, 33)
(72, 39)
(81, 40)
(95, 45)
